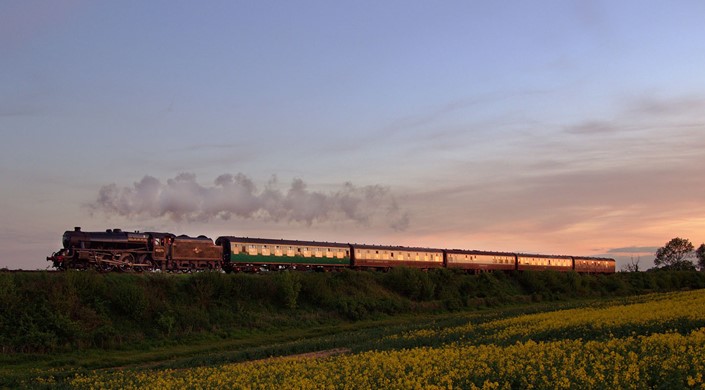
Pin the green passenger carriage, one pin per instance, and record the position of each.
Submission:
(257, 254)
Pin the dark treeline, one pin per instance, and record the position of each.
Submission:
(56, 312)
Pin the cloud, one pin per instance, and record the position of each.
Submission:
(647, 114)
(667, 107)
(583, 200)
(20, 111)
(633, 249)
(591, 127)
(237, 196)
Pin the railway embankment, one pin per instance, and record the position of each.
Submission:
(52, 312)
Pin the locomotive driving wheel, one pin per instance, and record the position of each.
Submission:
(126, 261)
(144, 263)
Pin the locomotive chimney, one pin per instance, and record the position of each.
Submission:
(77, 229)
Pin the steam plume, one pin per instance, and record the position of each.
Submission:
(182, 198)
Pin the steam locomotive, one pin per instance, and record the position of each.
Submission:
(117, 250)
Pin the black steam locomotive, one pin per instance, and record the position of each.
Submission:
(117, 250)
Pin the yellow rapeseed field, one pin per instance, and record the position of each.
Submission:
(637, 360)
(659, 310)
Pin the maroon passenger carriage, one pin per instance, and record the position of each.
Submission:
(594, 265)
(386, 257)
(527, 262)
(480, 261)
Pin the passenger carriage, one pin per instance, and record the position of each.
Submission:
(479, 261)
(385, 257)
(256, 254)
(527, 262)
(594, 265)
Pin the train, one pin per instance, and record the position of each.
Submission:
(118, 250)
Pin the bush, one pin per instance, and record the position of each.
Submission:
(45, 312)
(288, 288)
(412, 283)
(127, 296)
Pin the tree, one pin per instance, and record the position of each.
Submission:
(675, 255)
(700, 253)
(633, 266)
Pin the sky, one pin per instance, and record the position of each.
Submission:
(554, 127)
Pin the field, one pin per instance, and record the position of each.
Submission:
(648, 341)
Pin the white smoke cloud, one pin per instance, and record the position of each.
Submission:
(183, 198)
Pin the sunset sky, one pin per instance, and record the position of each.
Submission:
(556, 127)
